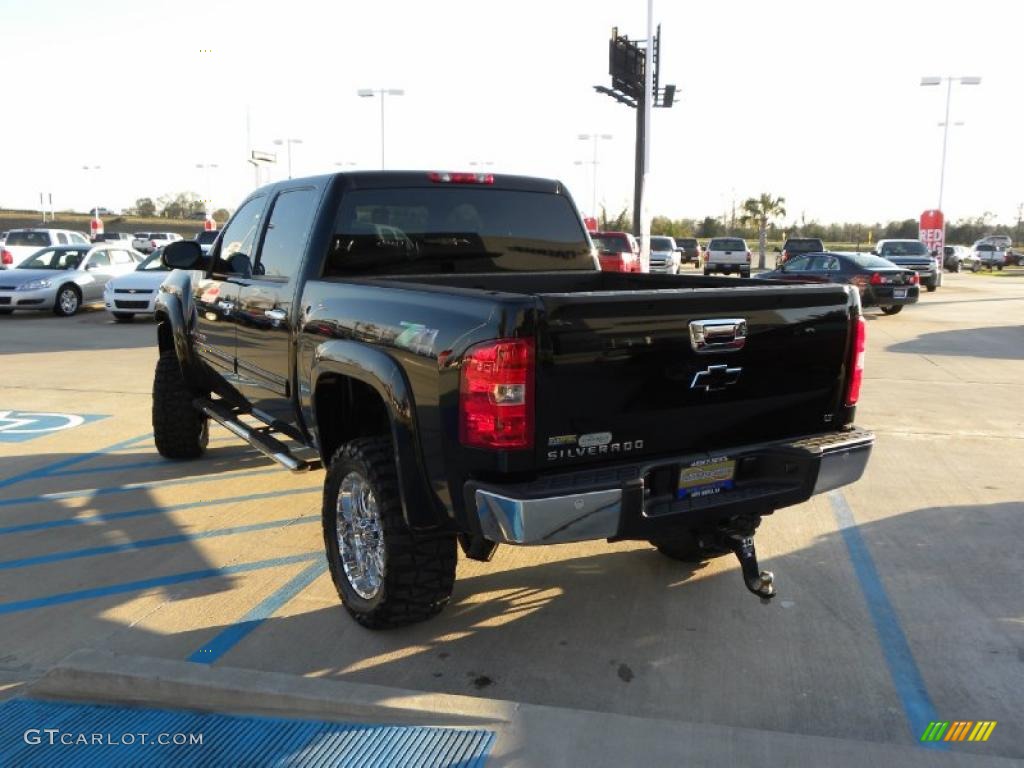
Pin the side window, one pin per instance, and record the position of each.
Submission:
(831, 264)
(798, 264)
(62, 239)
(121, 257)
(234, 257)
(285, 241)
(100, 258)
(77, 238)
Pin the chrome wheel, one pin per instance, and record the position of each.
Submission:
(68, 301)
(360, 536)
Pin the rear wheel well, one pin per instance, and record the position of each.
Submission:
(346, 409)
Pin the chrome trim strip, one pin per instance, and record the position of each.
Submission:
(841, 467)
(557, 520)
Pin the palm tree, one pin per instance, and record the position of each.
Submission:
(761, 210)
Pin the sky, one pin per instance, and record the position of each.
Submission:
(818, 102)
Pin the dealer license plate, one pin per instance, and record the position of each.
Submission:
(899, 293)
(706, 477)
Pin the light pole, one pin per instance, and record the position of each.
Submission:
(288, 143)
(367, 93)
(96, 209)
(209, 190)
(945, 124)
(594, 137)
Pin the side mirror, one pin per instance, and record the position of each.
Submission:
(183, 254)
(777, 249)
(874, 253)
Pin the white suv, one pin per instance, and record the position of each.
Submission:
(727, 254)
(22, 243)
(147, 242)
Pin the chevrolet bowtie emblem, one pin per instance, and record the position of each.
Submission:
(715, 377)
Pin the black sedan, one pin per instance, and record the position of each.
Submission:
(880, 282)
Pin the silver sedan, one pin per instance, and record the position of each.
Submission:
(63, 278)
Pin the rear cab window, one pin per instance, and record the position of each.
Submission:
(727, 244)
(33, 239)
(455, 230)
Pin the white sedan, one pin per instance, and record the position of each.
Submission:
(135, 293)
(63, 278)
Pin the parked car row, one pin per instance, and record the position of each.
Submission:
(62, 278)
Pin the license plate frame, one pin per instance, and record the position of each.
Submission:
(706, 477)
(899, 293)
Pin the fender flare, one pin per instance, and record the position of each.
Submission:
(175, 308)
(384, 375)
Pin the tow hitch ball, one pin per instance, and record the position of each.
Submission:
(761, 583)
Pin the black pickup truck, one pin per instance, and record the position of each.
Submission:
(447, 347)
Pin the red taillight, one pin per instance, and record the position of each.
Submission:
(915, 279)
(6, 257)
(784, 257)
(444, 177)
(876, 279)
(748, 257)
(856, 374)
(496, 395)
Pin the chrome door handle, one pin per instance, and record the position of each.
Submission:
(276, 315)
(226, 306)
(718, 335)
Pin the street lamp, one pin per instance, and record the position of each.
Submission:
(594, 137)
(209, 189)
(945, 123)
(96, 209)
(367, 93)
(288, 143)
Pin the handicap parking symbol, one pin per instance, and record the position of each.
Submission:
(19, 426)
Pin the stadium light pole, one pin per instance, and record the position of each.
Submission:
(367, 93)
(209, 190)
(288, 143)
(928, 81)
(96, 208)
(593, 137)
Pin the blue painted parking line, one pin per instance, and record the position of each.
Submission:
(162, 541)
(144, 511)
(45, 470)
(906, 677)
(111, 468)
(231, 636)
(167, 738)
(129, 487)
(63, 598)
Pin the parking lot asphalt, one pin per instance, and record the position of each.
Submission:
(900, 597)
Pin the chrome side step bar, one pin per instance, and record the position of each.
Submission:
(258, 437)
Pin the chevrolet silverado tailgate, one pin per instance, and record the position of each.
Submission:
(627, 374)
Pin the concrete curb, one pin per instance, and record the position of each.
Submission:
(527, 734)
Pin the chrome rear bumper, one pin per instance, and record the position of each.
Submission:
(527, 514)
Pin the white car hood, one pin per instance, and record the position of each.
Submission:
(148, 280)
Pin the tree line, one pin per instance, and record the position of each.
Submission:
(963, 231)
(184, 205)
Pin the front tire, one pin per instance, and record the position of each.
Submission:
(68, 301)
(892, 309)
(179, 430)
(386, 574)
